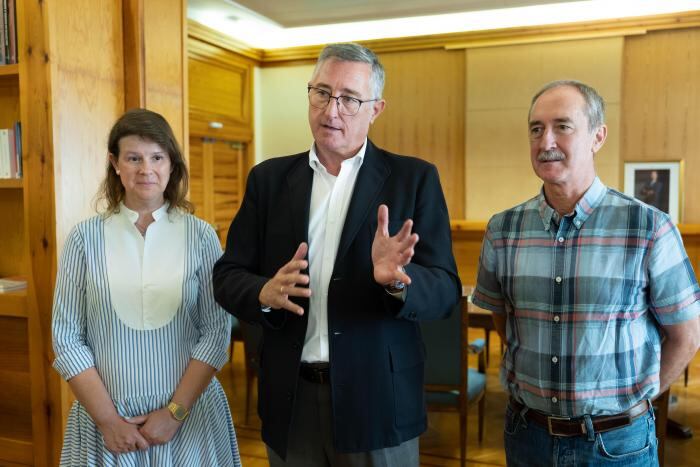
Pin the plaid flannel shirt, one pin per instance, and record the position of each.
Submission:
(584, 297)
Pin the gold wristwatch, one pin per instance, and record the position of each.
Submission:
(178, 412)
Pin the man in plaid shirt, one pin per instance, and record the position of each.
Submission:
(592, 293)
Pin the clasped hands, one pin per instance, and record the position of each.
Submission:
(122, 435)
(389, 256)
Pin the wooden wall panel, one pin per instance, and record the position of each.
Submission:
(87, 97)
(220, 88)
(165, 62)
(424, 115)
(500, 84)
(661, 102)
(282, 111)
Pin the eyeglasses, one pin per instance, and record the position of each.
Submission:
(347, 105)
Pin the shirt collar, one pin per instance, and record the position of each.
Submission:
(583, 209)
(358, 158)
(133, 215)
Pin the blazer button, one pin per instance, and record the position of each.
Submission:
(296, 346)
(412, 315)
(290, 395)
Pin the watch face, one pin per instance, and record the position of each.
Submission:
(178, 411)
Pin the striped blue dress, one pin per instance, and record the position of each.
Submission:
(142, 367)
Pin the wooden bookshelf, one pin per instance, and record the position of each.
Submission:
(13, 303)
(16, 437)
(11, 183)
(9, 70)
(23, 405)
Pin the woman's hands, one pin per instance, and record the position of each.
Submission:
(157, 427)
(122, 436)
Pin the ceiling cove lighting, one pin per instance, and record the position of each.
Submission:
(259, 32)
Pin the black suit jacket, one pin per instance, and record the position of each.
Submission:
(376, 348)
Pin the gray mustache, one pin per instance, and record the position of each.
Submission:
(550, 156)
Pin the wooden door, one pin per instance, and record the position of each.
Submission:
(217, 175)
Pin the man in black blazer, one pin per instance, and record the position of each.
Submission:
(325, 255)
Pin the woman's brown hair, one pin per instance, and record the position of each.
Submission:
(152, 127)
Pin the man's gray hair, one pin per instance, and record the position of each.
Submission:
(350, 52)
(595, 106)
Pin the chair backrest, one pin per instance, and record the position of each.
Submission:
(444, 344)
(252, 337)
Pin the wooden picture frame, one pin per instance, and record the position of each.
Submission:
(657, 184)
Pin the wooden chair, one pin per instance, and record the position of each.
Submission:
(450, 384)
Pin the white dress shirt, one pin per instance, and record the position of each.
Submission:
(145, 273)
(330, 198)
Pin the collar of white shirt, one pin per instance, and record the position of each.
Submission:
(315, 162)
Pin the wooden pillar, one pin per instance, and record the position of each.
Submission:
(155, 66)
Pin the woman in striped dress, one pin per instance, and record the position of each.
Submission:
(136, 331)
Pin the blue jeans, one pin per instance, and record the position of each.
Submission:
(529, 444)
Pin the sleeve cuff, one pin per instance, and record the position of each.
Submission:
(210, 354)
(72, 363)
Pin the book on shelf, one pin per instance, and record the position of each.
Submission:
(8, 284)
(8, 32)
(12, 30)
(5, 156)
(11, 152)
(3, 33)
(18, 148)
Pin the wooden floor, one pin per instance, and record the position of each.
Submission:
(439, 446)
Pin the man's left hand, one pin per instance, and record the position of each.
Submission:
(390, 254)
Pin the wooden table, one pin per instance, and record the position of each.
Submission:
(478, 318)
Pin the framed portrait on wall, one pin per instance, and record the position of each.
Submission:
(657, 184)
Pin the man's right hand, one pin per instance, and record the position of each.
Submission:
(276, 292)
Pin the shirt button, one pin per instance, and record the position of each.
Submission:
(558, 279)
(555, 359)
(554, 399)
(578, 223)
(560, 239)
(556, 318)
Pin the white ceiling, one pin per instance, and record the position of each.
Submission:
(271, 24)
(296, 13)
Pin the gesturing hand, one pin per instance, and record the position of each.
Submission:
(390, 254)
(158, 427)
(121, 436)
(276, 292)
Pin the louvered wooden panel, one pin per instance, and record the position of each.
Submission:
(228, 164)
(196, 172)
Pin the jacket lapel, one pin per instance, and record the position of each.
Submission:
(369, 183)
(300, 180)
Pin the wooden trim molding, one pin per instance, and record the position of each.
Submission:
(211, 36)
(462, 40)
